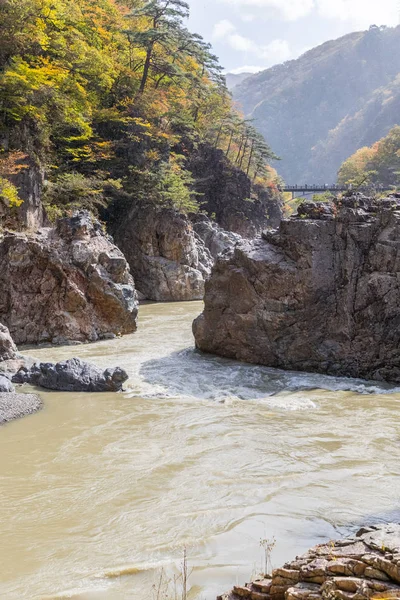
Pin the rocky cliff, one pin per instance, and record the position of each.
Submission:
(27, 175)
(227, 193)
(68, 283)
(319, 294)
(364, 566)
(169, 260)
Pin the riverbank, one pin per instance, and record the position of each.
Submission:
(360, 567)
(14, 406)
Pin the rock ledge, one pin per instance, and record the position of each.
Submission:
(362, 567)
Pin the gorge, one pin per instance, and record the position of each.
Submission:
(199, 374)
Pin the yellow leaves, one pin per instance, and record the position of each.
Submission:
(9, 193)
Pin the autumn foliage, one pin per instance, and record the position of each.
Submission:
(111, 97)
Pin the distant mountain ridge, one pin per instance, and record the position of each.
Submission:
(319, 109)
(234, 79)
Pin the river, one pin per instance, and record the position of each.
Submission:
(100, 493)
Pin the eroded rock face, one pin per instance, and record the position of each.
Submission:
(226, 190)
(8, 349)
(357, 568)
(28, 177)
(319, 294)
(68, 283)
(168, 260)
(217, 240)
(72, 375)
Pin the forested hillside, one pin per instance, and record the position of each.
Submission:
(319, 109)
(112, 100)
(377, 165)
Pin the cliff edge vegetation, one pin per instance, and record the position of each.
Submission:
(108, 101)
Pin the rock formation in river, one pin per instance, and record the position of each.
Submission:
(68, 283)
(169, 260)
(362, 567)
(320, 294)
(72, 375)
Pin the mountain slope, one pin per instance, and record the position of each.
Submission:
(234, 79)
(317, 110)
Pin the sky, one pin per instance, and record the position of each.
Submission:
(252, 35)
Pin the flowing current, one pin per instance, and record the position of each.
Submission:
(100, 493)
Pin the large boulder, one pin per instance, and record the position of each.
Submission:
(72, 375)
(168, 260)
(360, 567)
(8, 349)
(5, 384)
(320, 294)
(68, 283)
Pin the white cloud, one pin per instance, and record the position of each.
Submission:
(275, 52)
(247, 17)
(241, 43)
(360, 12)
(222, 29)
(290, 10)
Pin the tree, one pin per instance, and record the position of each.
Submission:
(164, 19)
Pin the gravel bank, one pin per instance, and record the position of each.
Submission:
(14, 406)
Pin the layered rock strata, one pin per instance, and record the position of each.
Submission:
(319, 294)
(63, 284)
(362, 567)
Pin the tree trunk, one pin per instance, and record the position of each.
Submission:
(146, 68)
(240, 149)
(250, 157)
(244, 152)
(229, 145)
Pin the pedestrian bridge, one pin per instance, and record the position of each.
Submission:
(303, 190)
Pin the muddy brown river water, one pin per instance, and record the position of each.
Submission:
(100, 492)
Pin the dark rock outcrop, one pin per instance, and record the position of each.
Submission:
(227, 193)
(320, 294)
(68, 283)
(168, 260)
(72, 375)
(357, 568)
